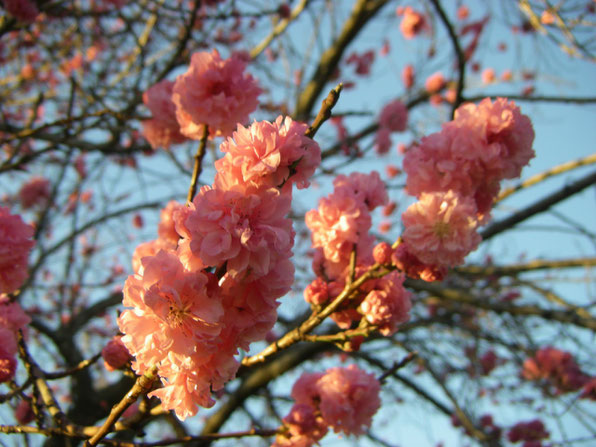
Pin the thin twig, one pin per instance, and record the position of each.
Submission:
(196, 171)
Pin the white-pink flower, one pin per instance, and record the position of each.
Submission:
(268, 155)
(215, 92)
(388, 304)
(440, 228)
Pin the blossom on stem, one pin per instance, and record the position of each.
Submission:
(215, 92)
(15, 245)
(163, 129)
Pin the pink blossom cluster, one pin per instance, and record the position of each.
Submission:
(15, 245)
(340, 225)
(341, 399)
(393, 118)
(213, 91)
(12, 319)
(456, 175)
(208, 285)
(531, 433)
(558, 369)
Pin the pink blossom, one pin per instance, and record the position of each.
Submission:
(24, 10)
(316, 292)
(215, 92)
(441, 228)
(412, 22)
(163, 129)
(15, 245)
(434, 82)
(35, 192)
(383, 140)
(247, 230)
(362, 61)
(115, 355)
(488, 76)
(557, 368)
(349, 399)
(414, 268)
(268, 155)
(394, 116)
(304, 428)
(148, 249)
(24, 413)
(8, 365)
(407, 76)
(388, 304)
(172, 311)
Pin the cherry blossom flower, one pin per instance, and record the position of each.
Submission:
(488, 75)
(407, 76)
(15, 245)
(388, 304)
(215, 92)
(163, 129)
(394, 116)
(268, 155)
(247, 230)
(35, 192)
(440, 228)
(412, 22)
(528, 431)
(167, 224)
(557, 368)
(434, 82)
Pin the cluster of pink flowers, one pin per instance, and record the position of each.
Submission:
(456, 175)
(558, 369)
(213, 91)
(343, 399)
(340, 225)
(12, 319)
(531, 433)
(209, 284)
(412, 22)
(393, 118)
(15, 245)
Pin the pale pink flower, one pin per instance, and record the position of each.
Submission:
(12, 316)
(383, 140)
(412, 22)
(247, 230)
(507, 134)
(35, 192)
(440, 228)
(407, 76)
(434, 82)
(24, 10)
(114, 354)
(394, 116)
(15, 245)
(148, 249)
(163, 129)
(268, 155)
(172, 313)
(414, 268)
(349, 399)
(382, 253)
(305, 428)
(215, 92)
(316, 292)
(388, 304)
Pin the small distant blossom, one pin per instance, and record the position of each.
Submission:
(163, 129)
(488, 75)
(412, 22)
(215, 92)
(24, 413)
(268, 155)
(15, 245)
(35, 192)
(12, 319)
(383, 140)
(362, 61)
(547, 18)
(434, 82)
(440, 228)
(528, 431)
(394, 116)
(463, 12)
(382, 253)
(407, 76)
